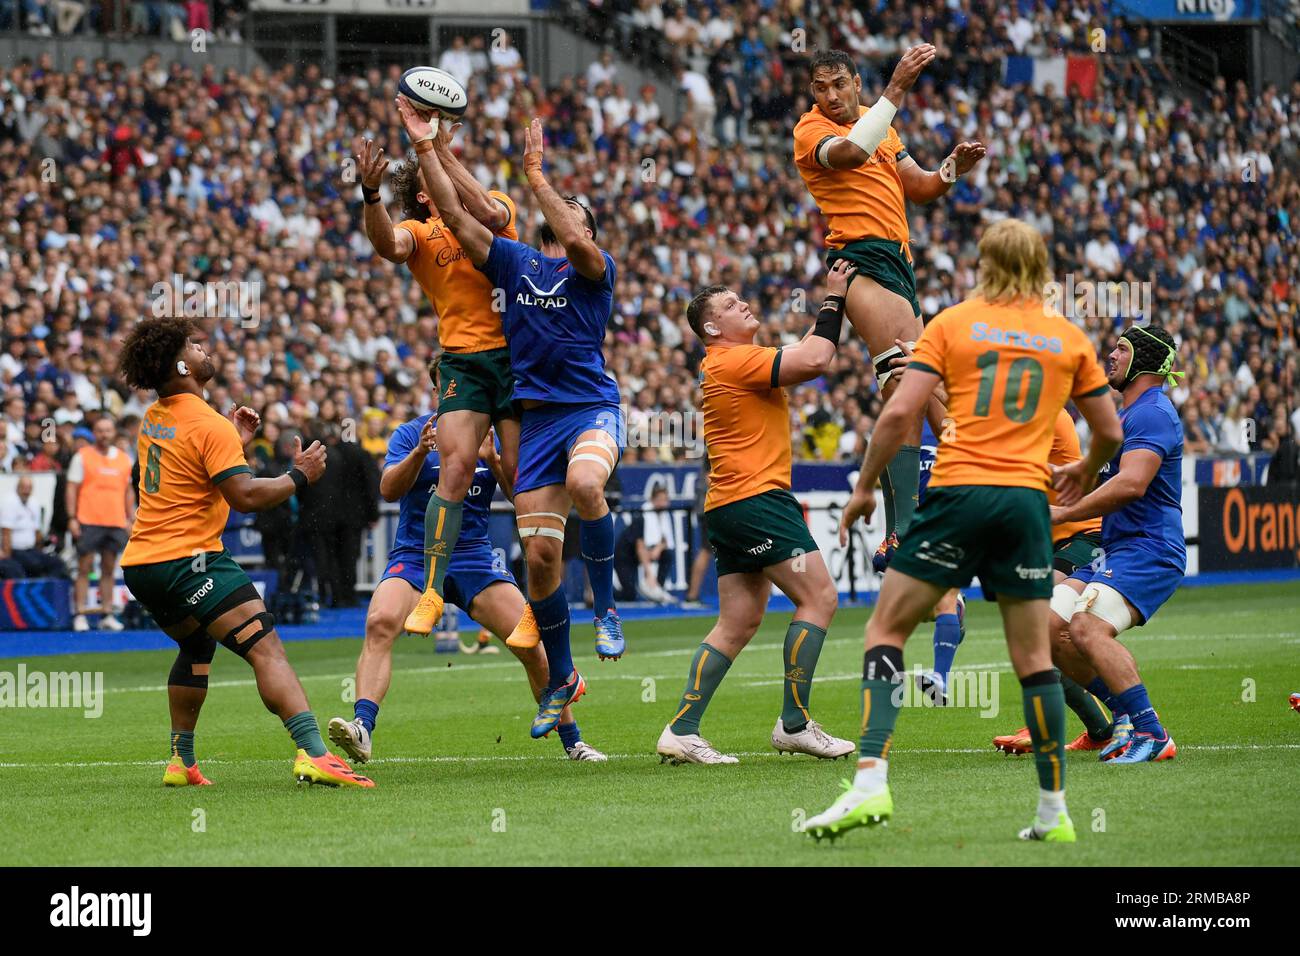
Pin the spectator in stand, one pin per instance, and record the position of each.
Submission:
(22, 538)
(102, 504)
(643, 559)
(455, 59)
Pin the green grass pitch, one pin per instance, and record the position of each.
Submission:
(460, 782)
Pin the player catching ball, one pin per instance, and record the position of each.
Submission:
(860, 175)
(558, 300)
(476, 391)
(754, 525)
(1008, 365)
(192, 473)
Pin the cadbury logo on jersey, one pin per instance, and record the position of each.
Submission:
(983, 332)
(447, 256)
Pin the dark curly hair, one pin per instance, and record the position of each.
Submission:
(149, 353)
(833, 60)
(406, 185)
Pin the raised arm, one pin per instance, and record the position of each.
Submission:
(474, 237)
(811, 356)
(395, 245)
(850, 152)
(472, 194)
(398, 479)
(570, 231)
(247, 494)
(922, 185)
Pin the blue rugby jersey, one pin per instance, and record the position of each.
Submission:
(410, 520)
(554, 323)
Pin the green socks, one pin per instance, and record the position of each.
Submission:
(1045, 718)
(879, 705)
(441, 530)
(1088, 709)
(305, 733)
(182, 744)
(900, 484)
(708, 667)
(803, 645)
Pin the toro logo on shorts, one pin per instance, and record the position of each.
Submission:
(201, 593)
(1032, 574)
(760, 548)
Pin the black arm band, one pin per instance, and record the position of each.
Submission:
(830, 319)
(371, 196)
(299, 480)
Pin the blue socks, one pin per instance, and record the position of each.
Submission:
(947, 635)
(569, 735)
(552, 614)
(1137, 705)
(596, 539)
(1097, 688)
(366, 711)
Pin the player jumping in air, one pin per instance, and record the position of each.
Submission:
(860, 175)
(754, 525)
(1144, 556)
(475, 580)
(192, 473)
(475, 361)
(558, 300)
(1009, 366)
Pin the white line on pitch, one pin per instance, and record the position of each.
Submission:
(516, 758)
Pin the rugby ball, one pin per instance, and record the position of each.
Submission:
(429, 88)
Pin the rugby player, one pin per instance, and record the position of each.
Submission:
(558, 300)
(1076, 543)
(1144, 556)
(475, 360)
(861, 175)
(1008, 365)
(192, 472)
(476, 581)
(754, 525)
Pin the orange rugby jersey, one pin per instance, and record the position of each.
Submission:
(460, 293)
(746, 423)
(862, 203)
(1008, 370)
(1065, 449)
(104, 479)
(186, 449)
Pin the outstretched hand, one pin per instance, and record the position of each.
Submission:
(533, 146)
(417, 124)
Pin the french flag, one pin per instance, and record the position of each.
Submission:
(1062, 73)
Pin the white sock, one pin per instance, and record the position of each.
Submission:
(871, 775)
(1051, 804)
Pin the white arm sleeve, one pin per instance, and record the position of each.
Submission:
(873, 126)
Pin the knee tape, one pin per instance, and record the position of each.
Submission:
(243, 638)
(531, 530)
(1103, 601)
(193, 661)
(1064, 599)
(882, 366)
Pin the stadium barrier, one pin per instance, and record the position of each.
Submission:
(1232, 520)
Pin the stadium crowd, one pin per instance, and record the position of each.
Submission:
(125, 184)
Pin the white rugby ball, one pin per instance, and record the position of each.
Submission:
(429, 88)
